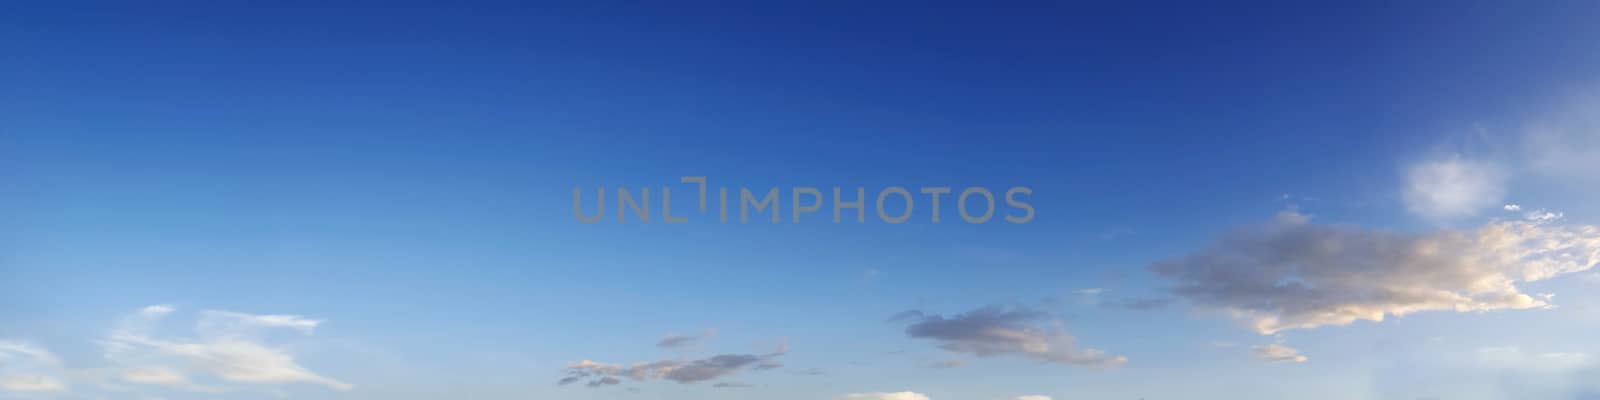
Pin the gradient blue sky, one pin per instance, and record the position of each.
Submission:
(403, 173)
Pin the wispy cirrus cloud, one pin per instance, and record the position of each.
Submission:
(226, 345)
(25, 367)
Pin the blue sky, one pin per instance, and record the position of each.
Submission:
(373, 200)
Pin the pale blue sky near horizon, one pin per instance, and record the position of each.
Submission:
(402, 173)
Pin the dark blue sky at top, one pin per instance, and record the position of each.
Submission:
(1113, 113)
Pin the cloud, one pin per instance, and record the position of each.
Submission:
(154, 375)
(1513, 358)
(1565, 142)
(1453, 187)
(31, 383)
(992, 331)
(156, 311)
(1033, 397)
(684, 340)
(25, 367)
(163, 376)
(731, 385)
(1292, 274)
(603, 381)
(1277, 352)
(1089, 291)
(886, 396)
(1543, 216)
(227, 345)
(603, 374)
(1512, 207)
(904, 316)
(811, 372)
(1139, 304)
(947, 364)
(11, 350)
(225, 321)
(870, 274)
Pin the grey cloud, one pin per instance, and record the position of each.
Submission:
(604, 374)
(684, 340)
(992, 331)
(1139, 304)
(811, 372)
(711, 368)
(1290, 273)
(903, 316)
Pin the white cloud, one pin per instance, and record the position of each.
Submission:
(1277, 352)
(1512, 207)
(158, 310)
(1513, 358)
(10, 349)
(31, 383)
(1543, 216)
(25, 367)
(1291, 274)
(227, 345)
(886, 396)
(154, 375)
(157, 375)
(1453, 187)
(1033, 397)
(226, 321)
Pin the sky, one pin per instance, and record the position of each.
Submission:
(376, 200)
